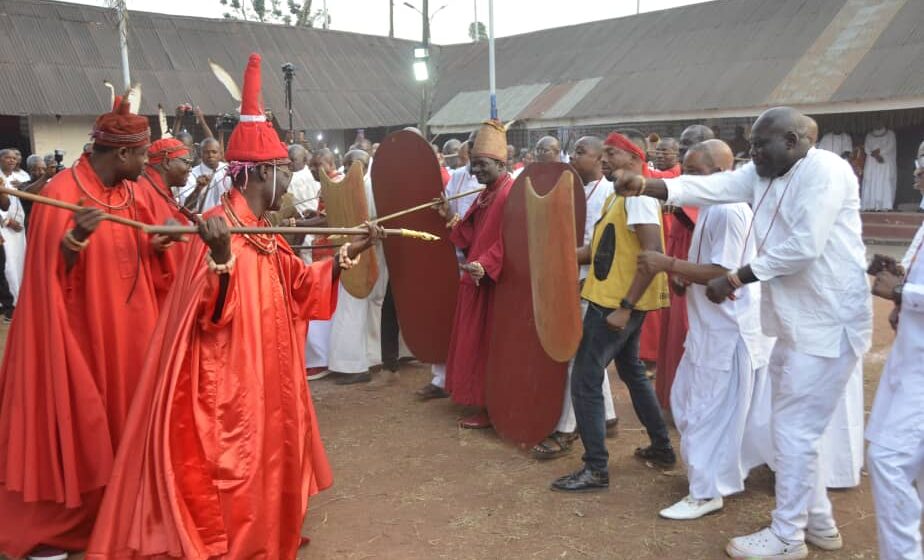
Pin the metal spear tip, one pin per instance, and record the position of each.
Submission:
(422, 235)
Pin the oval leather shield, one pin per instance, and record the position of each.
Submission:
(553, 268)
(346, 205)
(424, 277)
(524, 385)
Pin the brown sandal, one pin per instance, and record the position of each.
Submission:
(556, 445)
(431, 391)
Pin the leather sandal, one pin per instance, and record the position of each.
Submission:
(556, 445)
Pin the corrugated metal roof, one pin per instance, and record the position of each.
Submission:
(58, 55)
(715, 56)
(726, 55)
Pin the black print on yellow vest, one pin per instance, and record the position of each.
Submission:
(605, 253)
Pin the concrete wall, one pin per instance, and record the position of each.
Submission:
(67, 133)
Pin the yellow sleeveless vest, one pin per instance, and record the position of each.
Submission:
(614, 255)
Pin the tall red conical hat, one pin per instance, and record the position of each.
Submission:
(254, 139)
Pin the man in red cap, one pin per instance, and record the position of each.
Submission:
(168, 166)
(77, 343)
(618, 296)
(222, 450)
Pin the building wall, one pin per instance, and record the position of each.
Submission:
(50, 133)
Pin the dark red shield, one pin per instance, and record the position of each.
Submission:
(424, 277)
(524, 386)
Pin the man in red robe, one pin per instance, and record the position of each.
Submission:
(222, 448)
(478, 236)
(678, 234)
(169, 162)
(83, 324)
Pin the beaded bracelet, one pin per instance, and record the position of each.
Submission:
(224, 268)
(73, 244)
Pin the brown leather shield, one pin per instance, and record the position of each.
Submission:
(346, 205)
(553, 268)
(524, 385)
(424, 277)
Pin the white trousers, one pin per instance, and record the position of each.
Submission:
(711, 410)
(14, 245)
(842, 443)
(805, 392)
(898, 491)
(567, 423)
(318, 343)
(355, 343)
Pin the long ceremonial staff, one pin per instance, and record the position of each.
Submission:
(400, 213)
(174, 230)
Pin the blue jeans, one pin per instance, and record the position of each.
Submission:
(598, 347)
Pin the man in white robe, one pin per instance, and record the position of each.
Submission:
(350, 355)
(815, 301)
(896, 424)
(304, 189)
(840, 143)
(879, 174)
(12, 226)
(207, 181)
(725, 357)
(587, 161)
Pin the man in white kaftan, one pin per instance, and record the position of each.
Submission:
(723, 367)
(815, 301)
(896, 424)
(207, 181)
(838, 142)
(349, 354)
(880, 172)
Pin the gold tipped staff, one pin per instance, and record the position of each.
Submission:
(176, 230)
(425, 205)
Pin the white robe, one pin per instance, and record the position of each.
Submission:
(723, 365)
(14, 246)
(896, 426)
(219, 184)
(815, 300)
(355, 343)
(305, 191)
(14, 242)
(836, 143)
(879, 178)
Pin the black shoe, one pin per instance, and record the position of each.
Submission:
(391, 366)
(663, 457)
(351, 378)
(584, 480)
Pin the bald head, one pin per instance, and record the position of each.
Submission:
(414, 129)
(693, 135)
(548, 149)
(356, 155)
(811, 129)
(586, 158)
(780, 137)
(706, 158)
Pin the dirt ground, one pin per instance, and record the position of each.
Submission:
(409, 484)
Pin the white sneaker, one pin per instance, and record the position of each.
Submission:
(825, 540)
(688, 508)
(765, 544)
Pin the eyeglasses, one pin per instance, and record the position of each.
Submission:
(186, 160)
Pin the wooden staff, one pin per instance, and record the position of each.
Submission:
(72, 207)
(177, 229)
(425, 205)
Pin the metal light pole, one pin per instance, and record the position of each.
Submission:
(391, 19)
(493, 84)
(122, 14)
(288, 73)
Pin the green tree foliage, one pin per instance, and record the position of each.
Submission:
(292, 12)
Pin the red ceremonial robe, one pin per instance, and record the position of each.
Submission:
(674, 318)
(71, 365)
(651, 328)
(478, 235)
(222, 448)
(164, 207)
